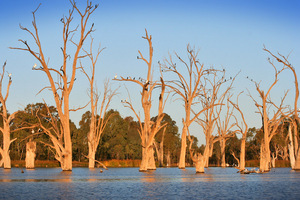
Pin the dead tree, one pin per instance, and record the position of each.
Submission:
(61, 89)
(148, 128)
(213, 95)
(6, 121)
(198, 159)
(98, 109)
(293, 135)
(188, 89)
(224, 127)
(30, 154)
(270, 123)
(242, 129)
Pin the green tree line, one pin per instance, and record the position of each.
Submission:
(121, 139)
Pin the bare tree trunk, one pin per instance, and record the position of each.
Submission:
(222, 145)
(242, 154)
(273, 160)
(199, 165)
(291, 148)
(151, 160)
(181, 164)
(297, 162)
(209, 152)
(92, 154)
(168, 159)
(265, 158)
(30, 154)
(5, 150)
(144, 163)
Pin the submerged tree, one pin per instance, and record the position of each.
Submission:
(270, 123)
(6, 122)
(294, 149)
(212, 95)
(148, 128)
(61, 89)
(98, 110)
(187, 88)
(242, 129)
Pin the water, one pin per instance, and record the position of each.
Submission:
(164, 183)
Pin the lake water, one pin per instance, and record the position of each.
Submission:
(164, 183)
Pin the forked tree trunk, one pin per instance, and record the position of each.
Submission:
(242, 154)
(30, 154)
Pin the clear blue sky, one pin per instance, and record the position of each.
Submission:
(229, 34)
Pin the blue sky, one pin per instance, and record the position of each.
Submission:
(229, 34)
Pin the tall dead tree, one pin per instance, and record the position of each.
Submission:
(6, 120)
(270, 123)
(212, 95)
(242, 129)
(98, 109)
(61, 89)
(188, 88)
(148, 128)
(294, 149)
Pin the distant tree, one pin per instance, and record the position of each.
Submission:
(114, 139)
(167, 141)
(61, 89)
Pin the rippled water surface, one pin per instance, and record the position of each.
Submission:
(164, 183)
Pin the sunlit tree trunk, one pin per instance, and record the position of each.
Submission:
(151, 160)
(242, 154)
(30, 154)
(5, 151)
(181, 164)
(222, 145)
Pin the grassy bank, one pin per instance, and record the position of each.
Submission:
(54, 163)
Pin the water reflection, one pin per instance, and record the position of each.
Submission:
(164, 183)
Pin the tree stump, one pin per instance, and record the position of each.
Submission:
(30, 154)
